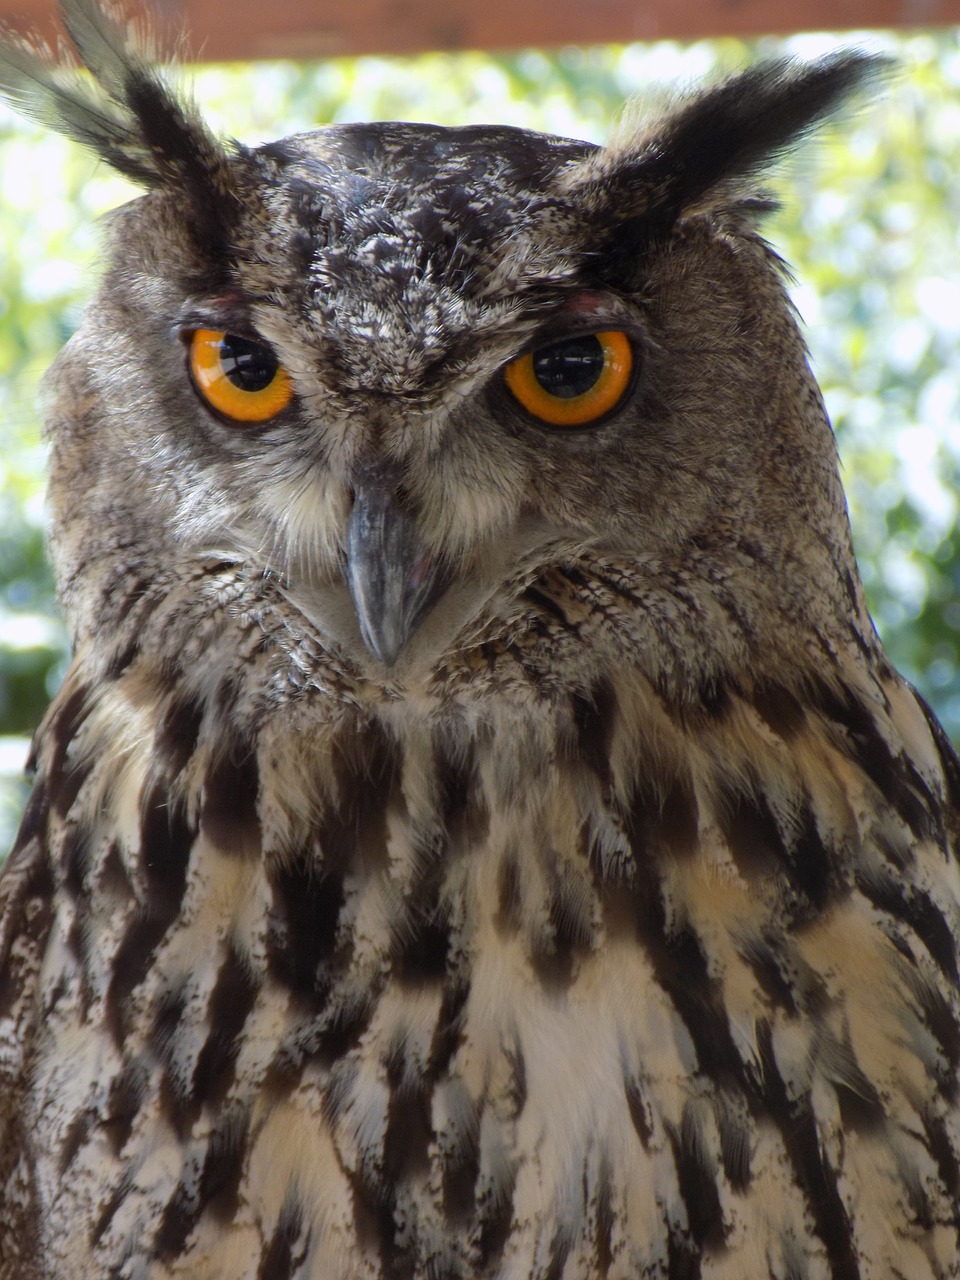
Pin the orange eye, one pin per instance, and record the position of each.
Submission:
(574, 382)
(239, 378)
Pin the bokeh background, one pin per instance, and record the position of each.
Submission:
(869, 222)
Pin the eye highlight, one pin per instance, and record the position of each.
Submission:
(239, 378)
(574, 382)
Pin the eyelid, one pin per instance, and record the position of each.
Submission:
(238, 326)
(566, 326)
(228, 310)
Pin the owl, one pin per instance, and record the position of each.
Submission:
(480, 835)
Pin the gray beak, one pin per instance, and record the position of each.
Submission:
(393, 580)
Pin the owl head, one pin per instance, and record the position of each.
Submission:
(449, 388)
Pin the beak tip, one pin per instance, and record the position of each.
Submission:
(385, 649)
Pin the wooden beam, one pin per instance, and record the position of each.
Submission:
(247, 29)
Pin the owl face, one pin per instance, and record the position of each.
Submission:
(413, 374)
(422, 374)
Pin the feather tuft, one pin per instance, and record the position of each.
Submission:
(124, 111)
(715, 145)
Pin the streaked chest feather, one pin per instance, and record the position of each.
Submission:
(574, 990)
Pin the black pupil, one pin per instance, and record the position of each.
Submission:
(570, 368)
(249, 365)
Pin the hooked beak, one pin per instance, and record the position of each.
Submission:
(392, 578)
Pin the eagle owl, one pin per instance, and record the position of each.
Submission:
(480, 835)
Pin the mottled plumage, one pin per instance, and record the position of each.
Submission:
(465, 847)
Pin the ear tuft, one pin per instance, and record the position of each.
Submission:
(127, 115)
(716, 144)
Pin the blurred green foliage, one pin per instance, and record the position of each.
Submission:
(870, 224)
